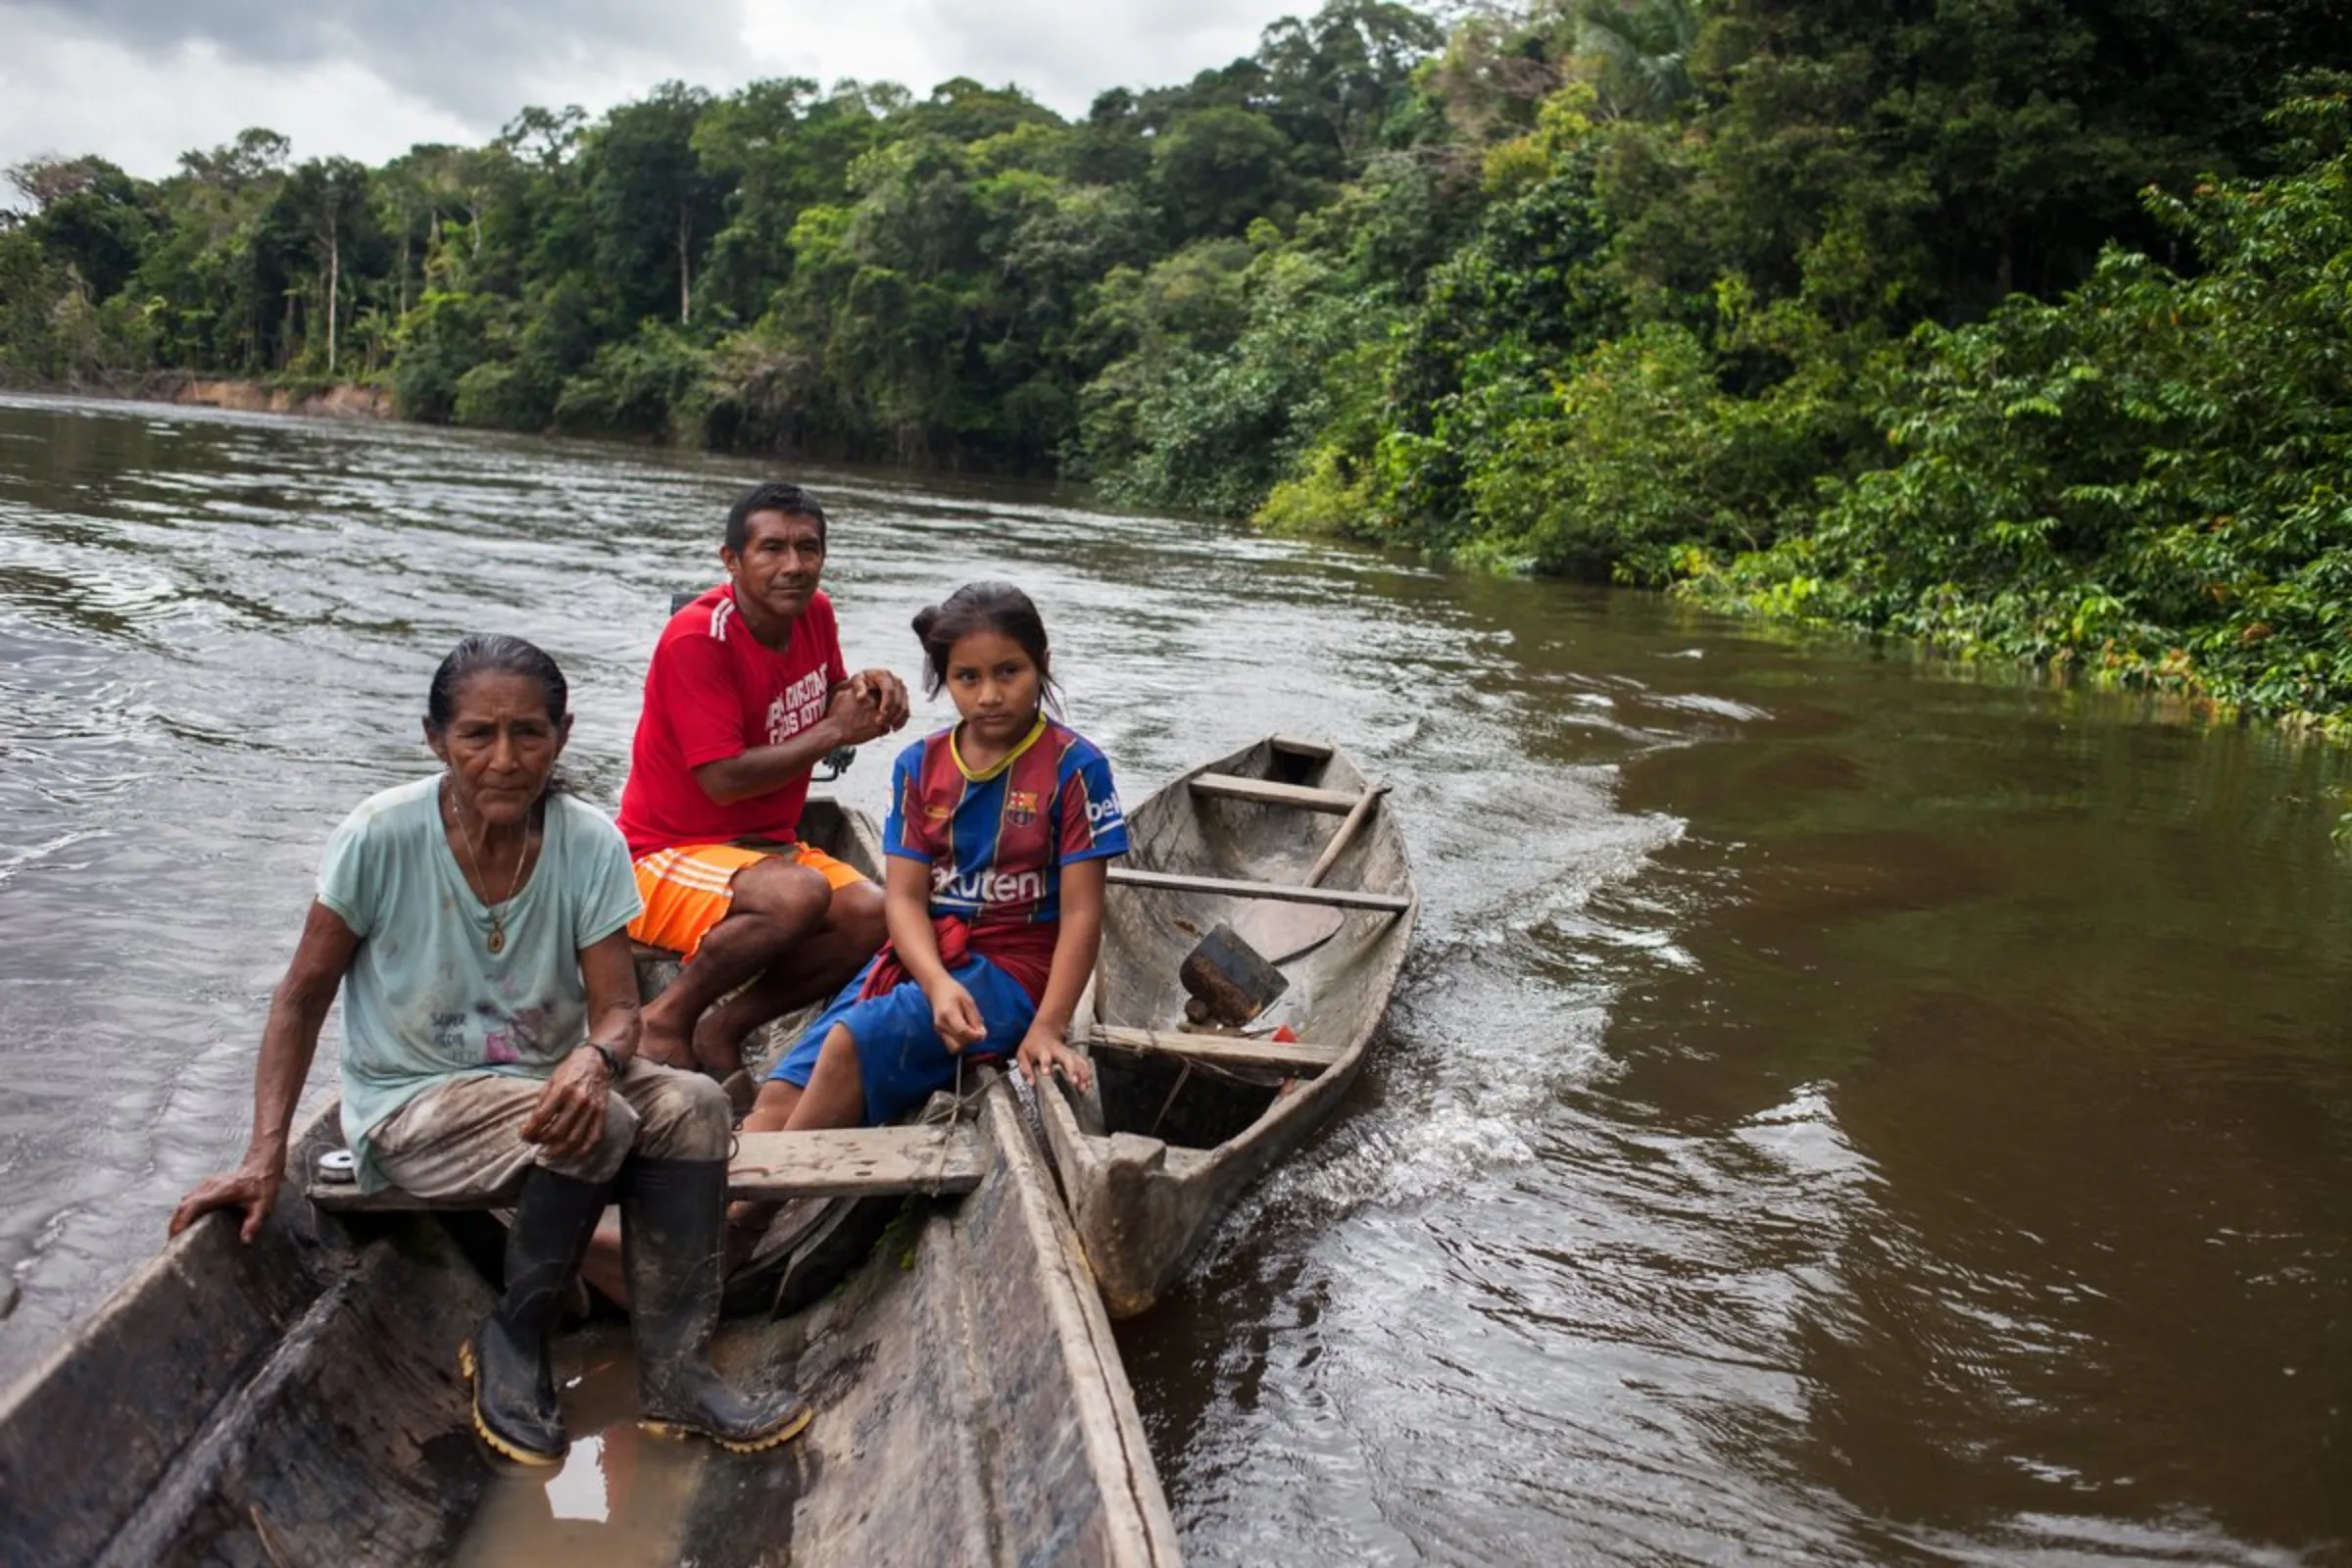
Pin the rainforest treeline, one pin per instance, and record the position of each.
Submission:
(2020, 326)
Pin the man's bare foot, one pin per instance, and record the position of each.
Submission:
(718, 1046)
(663, 1041)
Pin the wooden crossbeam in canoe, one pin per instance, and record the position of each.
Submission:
(857, 1162)
(1265, 792)
(1224, 1051)
(1128, 876)
(846, 1162)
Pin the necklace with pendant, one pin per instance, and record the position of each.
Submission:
(497, 939)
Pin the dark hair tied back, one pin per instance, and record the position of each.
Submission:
(485, 653)
(997, 607)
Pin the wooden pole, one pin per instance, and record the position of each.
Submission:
(1357, 817)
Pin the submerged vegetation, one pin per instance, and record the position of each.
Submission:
(2018, 326)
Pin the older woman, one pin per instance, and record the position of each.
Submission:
(476, 923)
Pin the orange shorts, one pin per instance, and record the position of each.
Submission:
(689, 889)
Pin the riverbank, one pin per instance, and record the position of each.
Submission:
(333, 400)
(340, 400)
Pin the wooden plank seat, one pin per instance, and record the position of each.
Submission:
(1300, 1056)
(1265, 792)
(1128, 876)
(857, 1162)
(842, 1162)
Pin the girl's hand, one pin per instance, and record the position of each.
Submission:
(1043, 1051)
(957, 1016)
(252, 1188)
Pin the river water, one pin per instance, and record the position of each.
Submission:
(1836, 1110)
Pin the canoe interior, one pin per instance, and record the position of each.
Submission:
(297, 1401)
(1338, 992)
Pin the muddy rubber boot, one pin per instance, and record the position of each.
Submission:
(506, 1361)
(672, 1216)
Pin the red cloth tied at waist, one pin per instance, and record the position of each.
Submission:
(1025, 952)
(886, 973)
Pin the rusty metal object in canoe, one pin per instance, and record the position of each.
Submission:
(1229, 978)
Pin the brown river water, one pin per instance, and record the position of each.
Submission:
(1839, 1108)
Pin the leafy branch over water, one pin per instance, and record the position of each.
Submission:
(2017, 328)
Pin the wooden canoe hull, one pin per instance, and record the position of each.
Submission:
(297, 1401)
(1152, 1160)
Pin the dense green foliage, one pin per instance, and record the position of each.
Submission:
(2154, 472)
(2016, 325)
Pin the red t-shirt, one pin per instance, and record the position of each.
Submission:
(714, 691)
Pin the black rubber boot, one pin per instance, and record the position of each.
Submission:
(513, 1388)
(672, 1214)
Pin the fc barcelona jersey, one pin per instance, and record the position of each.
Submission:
(997, 840)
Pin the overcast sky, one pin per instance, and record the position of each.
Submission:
(140, 81)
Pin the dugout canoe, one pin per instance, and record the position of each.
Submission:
(1182, 1119)
(297, 1401)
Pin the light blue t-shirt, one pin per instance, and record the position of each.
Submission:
(426, 1001)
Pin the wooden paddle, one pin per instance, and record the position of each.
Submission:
(1280, 932)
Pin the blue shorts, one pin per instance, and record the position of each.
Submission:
(901, 1058)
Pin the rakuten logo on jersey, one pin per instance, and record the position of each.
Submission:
(987, 887)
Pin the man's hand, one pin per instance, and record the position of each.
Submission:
(570, 1119)
(957, 1016)
(251, 1187)
(889, 694)
(855, 711)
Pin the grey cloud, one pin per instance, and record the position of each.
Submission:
(476, 58)
(1066, 54)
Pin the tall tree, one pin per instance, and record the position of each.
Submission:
(257, 154)
(89, 213)
(777, 147)
(1638, 52)
(655, 206)
(1335, 76)
(336, 190)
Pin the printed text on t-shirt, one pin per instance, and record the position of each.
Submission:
(801, 704)
(987, 886)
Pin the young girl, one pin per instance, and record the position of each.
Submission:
(999, 834)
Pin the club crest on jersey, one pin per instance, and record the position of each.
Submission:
(1020, 806)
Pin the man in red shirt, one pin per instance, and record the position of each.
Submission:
(746, 693)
